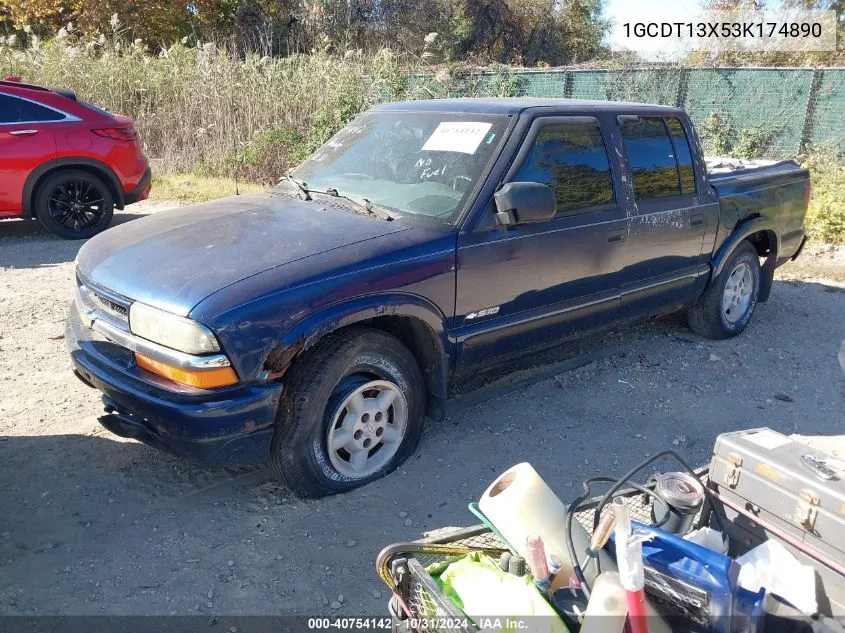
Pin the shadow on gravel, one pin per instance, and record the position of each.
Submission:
(55, 486)
(26, 244)
(799, 282)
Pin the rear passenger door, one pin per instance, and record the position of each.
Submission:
(661, 268)
(525, 286)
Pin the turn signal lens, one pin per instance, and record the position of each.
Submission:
(202, 379)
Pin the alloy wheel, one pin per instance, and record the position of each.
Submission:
(367, 428)
(736, 297)
(76, 205)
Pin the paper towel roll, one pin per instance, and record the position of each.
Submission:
(520, 503)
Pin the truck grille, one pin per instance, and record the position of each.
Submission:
(108, 307)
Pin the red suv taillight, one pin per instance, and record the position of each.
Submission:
(117, 133)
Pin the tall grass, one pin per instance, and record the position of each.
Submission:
(826, 215)
(202, 109)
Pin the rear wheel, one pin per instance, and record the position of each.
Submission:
(354, 411)
(726, 307)
(74, 204)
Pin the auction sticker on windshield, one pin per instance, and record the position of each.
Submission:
(457, 136)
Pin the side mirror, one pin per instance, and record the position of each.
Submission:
(524, 203)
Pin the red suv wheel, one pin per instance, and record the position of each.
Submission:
(74, 204)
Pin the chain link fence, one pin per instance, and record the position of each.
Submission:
(763, 112)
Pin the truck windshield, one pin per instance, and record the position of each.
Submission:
(421, 163)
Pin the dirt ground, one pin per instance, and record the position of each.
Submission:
(93, 524)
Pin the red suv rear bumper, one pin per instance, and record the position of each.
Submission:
(141, 190)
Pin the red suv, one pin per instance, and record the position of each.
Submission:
(66, 162)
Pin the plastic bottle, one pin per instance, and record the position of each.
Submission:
(607, 609)
(535, 556)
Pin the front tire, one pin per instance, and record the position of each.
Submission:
(353, 412)
(74, 204)
(726, 307)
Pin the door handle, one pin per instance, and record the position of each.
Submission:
(697, 221)
(617, 236)
(23, 132)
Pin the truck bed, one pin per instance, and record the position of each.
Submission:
(749, 189)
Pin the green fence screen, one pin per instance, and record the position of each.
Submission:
(777, 112)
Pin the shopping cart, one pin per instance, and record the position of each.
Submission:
(417, 604)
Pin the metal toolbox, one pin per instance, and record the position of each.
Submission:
(794, 492)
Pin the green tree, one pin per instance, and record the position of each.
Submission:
(544, 32)
(774, 58)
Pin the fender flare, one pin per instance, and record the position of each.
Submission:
(739, 234)
(69, 162)
(308, 332)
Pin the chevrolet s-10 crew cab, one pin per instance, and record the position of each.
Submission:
(314, 326)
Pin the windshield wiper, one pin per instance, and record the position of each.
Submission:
(303, 187)
(362, 203)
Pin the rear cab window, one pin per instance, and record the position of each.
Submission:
(682, 153)
(659, 156)
(572, 160)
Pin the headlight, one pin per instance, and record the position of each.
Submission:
(170, 330)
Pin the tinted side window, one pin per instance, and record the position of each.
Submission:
(683, 154)
(13, 110)
(571, 159)
(651, 157)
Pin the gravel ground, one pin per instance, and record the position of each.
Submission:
(93, 524)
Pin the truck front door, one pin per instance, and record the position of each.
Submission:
(524, 286)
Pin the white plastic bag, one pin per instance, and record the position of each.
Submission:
(772, 566)
(709, 538)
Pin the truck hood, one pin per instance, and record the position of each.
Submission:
(174, 259)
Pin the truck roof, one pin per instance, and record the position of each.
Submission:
(515, 105)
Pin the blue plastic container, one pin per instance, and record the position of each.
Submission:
(696, 588)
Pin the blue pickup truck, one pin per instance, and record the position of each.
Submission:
(316, 325)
